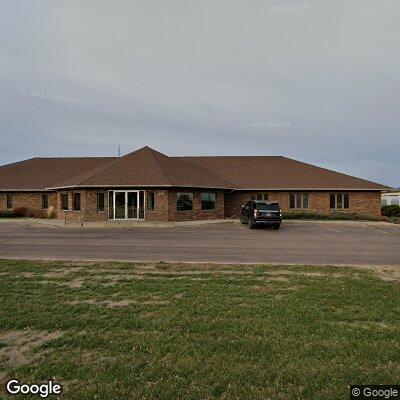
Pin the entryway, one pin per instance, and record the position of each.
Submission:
(126, 204)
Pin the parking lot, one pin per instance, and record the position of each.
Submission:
(298, 242)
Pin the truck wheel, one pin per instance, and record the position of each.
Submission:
(242, 220)
(277, 226)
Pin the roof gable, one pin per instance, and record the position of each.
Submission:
(147, 167)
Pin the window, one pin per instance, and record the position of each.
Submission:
(259, 196)
(339, 201)
(268, 207)
(77, 201)
(64, 201)
(45, 201)
(299, 200)
(9, 201)
(150, 201)
(184, 201)
(384, 200)
(100, 201)
(394, 200)
(208, 201)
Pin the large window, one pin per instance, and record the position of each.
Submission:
(299, 200)
(101, 196)
(64, 201)
(339, 201)
(394, 200)
(208, 201)
(10, 201)
(45, 201)
(184, 201)
(390, 199)
(259, 196)
(77, 201)
(150, 201)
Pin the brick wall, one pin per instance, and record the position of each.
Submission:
(361, 203)
(161, 206)
(32, 201)
(197, 213)
(165, 206)
(88, 211)
(228, 204)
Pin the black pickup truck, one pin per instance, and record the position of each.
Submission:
(256, 212)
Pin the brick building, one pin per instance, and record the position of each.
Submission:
(148, 185)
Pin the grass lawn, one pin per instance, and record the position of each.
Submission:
(161, 331)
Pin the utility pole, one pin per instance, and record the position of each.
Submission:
(119, 150)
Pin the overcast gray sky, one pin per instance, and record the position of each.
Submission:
(316, 80)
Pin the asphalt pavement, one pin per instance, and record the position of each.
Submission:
(308, 242)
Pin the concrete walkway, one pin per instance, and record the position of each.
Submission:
(60, 223)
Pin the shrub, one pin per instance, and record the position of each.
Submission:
(335, 216)
(39, 214)
(302, 215)
(27, 213)
(21, 212)
(391, 211)
(6, 214)
(393, 220)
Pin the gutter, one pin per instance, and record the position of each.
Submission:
(283, 189)
(383, 190)
(137, 186)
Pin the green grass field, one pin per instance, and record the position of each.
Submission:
(161, 331)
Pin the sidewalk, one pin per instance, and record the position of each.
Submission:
(60, 223)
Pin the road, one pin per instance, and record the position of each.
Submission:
(324, 243)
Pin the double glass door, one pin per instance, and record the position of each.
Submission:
(128, 204)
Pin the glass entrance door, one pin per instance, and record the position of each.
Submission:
(132, 210)
(119, 205)
(127, 205)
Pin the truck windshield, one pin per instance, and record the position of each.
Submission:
(268, 207)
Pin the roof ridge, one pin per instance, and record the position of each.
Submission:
(68, 158)
(226, 156)
(96, 170)
(159, 165)
(92, 173)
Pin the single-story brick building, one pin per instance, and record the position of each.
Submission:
(148, 185)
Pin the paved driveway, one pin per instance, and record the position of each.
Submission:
(334, 243)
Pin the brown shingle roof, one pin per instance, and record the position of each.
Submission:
(147, 167)
(276, 172)
(40, 173)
